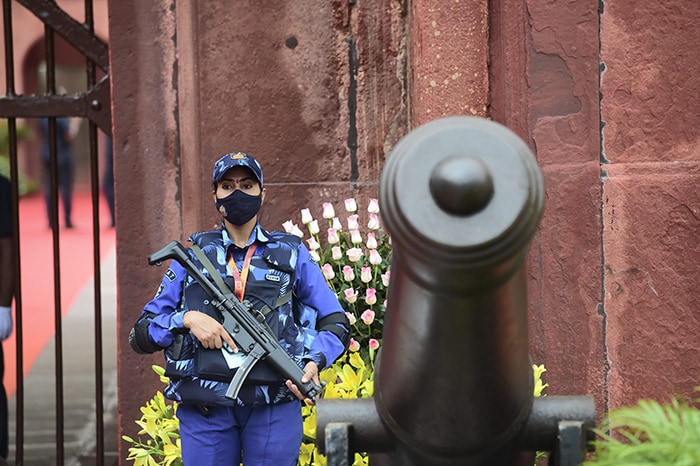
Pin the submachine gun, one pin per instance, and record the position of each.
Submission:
(461, 198)
(246, 326)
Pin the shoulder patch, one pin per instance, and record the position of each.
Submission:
(170, 275)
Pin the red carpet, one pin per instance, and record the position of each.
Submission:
(36, 260)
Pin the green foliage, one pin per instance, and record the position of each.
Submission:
(23, 132)
(650, 433)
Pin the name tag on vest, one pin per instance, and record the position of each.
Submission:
(272, 277)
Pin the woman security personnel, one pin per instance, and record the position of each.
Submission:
(275, 273)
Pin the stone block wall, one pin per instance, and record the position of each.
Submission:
(604, 94)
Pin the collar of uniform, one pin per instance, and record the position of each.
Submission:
(257, 235)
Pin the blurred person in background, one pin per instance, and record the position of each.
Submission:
(66, 131)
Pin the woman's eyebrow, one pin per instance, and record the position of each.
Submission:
(243, 178)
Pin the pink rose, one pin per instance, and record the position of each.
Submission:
(355, 236)
(354, 254)
(313, 227)
(313, 244)
(306, 216)
(351, 318)
(352, 222)
(333, 237)
(371, 241)
(328, 210)
(385, 278)
(348, 273)
(328, 271)
(374, 257)
(296, 231)
(373, 207)
(288, 226)
(371, 296)
(374, 344)
(350, 205)
(367, 317)
(350, 295)
(366, 274)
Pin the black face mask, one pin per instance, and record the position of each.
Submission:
(239, 207)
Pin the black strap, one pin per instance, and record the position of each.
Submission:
(281, 300)
(329, 324)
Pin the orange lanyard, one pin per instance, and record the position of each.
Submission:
(239, 279)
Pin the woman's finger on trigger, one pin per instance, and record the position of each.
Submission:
(229, 341)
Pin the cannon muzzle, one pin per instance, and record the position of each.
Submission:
(461, 198)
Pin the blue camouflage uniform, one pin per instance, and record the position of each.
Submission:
(281, 265)
(278, 277)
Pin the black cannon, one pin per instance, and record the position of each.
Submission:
(461, 198)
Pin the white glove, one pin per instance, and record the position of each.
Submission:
(5, 322)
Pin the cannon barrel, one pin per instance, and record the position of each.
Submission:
(461, 198)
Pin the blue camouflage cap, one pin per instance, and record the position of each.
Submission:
(237, 159)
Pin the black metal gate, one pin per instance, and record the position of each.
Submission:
(91, 105)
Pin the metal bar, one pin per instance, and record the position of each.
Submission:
(50, 105)
(99, 367)
(19, 322)
(337, 441)
(14, 180)
(58, 323)
(72, 31)
(94, 104)
(9, 51)
(571, 444)
(95, 191)
(542, 427)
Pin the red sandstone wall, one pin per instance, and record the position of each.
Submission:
(651, 201)
(545, 87)
(614, 266)
(614, 304)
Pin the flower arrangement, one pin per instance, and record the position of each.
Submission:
(355, 259)
(160, 423)
(355, 262)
